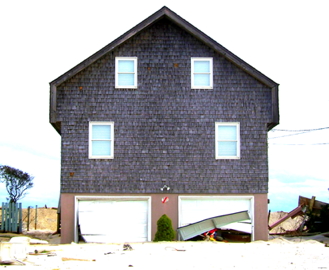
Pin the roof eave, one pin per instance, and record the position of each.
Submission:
(275, 108)
(166, 12)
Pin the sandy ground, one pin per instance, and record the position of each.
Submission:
(307, 252)
(277, 253)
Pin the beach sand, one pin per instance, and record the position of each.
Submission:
(277, 253)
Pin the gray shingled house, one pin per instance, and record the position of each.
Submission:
(163, 120)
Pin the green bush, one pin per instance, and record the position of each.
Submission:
(165, 231)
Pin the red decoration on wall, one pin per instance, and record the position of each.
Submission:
(165, 199)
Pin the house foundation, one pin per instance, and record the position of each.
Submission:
(179, 208)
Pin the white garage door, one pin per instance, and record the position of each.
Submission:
(196, 208)
(114, 220)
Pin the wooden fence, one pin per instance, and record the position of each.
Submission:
(11, 217)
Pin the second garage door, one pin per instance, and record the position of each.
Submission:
(196, 208)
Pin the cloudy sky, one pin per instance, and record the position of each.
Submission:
(285, 40)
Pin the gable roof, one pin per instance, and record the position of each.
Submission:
(165, 12)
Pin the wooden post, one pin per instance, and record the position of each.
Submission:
(10, 227)
(28, 218)
(7, 217)
(20, 218)
(13, 217)
(3, 217)
(312, 201)
(36, 217)
(5, 228)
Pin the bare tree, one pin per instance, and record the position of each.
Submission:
(16, 181)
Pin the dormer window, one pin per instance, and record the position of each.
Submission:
(201, 73)
(126, 72)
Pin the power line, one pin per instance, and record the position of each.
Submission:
(299, 144)
(300, 130)
(289, 135)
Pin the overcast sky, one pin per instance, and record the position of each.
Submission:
(286, 40)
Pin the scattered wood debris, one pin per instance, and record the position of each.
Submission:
(65, 259)
(127, 247)
(307, 217)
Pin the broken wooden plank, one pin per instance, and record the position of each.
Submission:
(64, 259)
(297, 211)
(312, 201)
(317, 206)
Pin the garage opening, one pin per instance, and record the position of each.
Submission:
(198, 209)
(112, 219)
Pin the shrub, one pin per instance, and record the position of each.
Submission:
(165, 231)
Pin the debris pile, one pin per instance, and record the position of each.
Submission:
(310, 216)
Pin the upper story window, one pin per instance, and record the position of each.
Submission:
(101, 140)
(126, 72)
(201, 73)
(227, 140)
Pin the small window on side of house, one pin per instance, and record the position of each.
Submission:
(126, 72)
(201, 73)
(227, 140)
(101, 140)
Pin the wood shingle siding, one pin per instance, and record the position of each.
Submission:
(187, 29)
(164, 130)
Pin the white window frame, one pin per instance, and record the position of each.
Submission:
(117, 72)
(195, 59)
(111, 141)
(237, 125)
